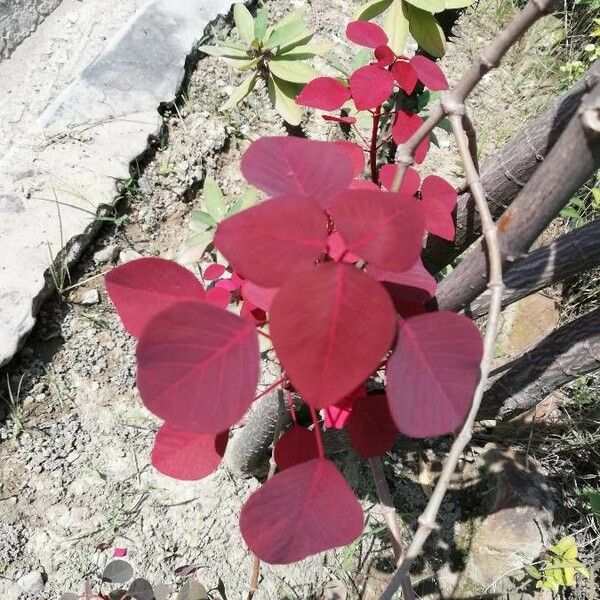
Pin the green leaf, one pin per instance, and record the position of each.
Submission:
(283, 97)
(260, 24)
(362, 58)
(306, 51)
(430, 6)
(244, 22)
(213, 199)
(235, 53)
(396, 26)
(293, 71)
(593, 496)
(371, 9)
(249, 197)
(565, 548)
(445, 125)
(533, 571)
(426, 31)
(240, 92)
(300, 40)
(200, 220)
(448, 4)
(249, 65)
(285, 34)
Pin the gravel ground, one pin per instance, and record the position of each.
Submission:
(74, 451)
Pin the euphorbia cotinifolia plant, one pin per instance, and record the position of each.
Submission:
(330, 263)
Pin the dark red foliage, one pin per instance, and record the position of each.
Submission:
(142, 288)
(325, 93)
(429, 73)
(292, 166)
(433, 372)
(382, 228)
(261, 297)
(438, 199)
(356, 154)
(301, 511)
(335, 416)
(417, 283)
(405, 124)
(366, 34)
(370, 86)
(198, 366)
(347, 120)
(405, 76)
(331, 326)
(213, 272)
(295, 446)
(371, 428)
(187, 455)
(385, 55)
(410, 182)
(268, 242)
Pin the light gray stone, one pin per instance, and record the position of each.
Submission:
(85, 297)
(55, 180)
(107, 254)
(31, 583)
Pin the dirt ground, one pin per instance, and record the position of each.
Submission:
(74, 444)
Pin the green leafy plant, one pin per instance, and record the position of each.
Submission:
(414, 16)
(275, 54)
(559, 566)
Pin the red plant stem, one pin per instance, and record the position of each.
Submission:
(313, 416)
(269, 388)
(373, 146)
(261, 332)
(290, 401)
(361, 136)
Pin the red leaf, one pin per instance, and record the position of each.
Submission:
(255, 315)
(267, 242)
(356, 154)
(335, 416)
(410, 180)
(366, 34)
(370, 86)
(405, 76)
(363, 184)
(438, 199)
(119, 552)
(382, 228)
(331, 326)
(142, 288)
(405, 124)
(337, 250)
(348, 120)
(187, 455)
(325, 93)
(218, 296)
(298, 445)
(433, 372)
(301, 511)
(227, 284)
(385, 56)
(213, 271)
(198, 366)
(419, 284)
(261, 297)
(429, 73)
(371, 428)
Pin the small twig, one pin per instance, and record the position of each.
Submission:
(389, 514)
(373, 146)
(489, 58)
(471, 134)
(428, 518)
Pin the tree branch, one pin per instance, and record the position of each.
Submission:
(564, 258)
(505, 173)
(546, 193)
(568, 352)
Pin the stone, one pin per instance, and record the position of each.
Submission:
(65, 165)
(128, 254)
(32, 583)
(109, 253)
(84, 296)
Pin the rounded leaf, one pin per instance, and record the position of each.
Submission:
(198, 366)
(410, 182)
(438, 199)
(260, 296)
(117, 571)
(405, 124)
(295, 446)
(371, 86)
(371, 428)
(433, 372)
(213, 271)
(336, 416)
(142, 288)
(356, 154)
(218, 296)
(325, 93)
(366, 34)
(415, 284)
(301, 511)
(299, 167)
(331, 326)
(405, 76)
(429, 73)
(269, 241)
(186, 455)
(382, 228)
(385, 56)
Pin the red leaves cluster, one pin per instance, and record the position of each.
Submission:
(336, 268)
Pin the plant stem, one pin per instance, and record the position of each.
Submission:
(315, 420)
(269, 388)
(373, 145)
(389, 514)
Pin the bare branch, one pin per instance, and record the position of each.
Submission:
(566, 257)
(568, 352)
(489, 58)
(471, 134)
(572, 161)
(505, 173)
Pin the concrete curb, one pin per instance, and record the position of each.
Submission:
(53, 182)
